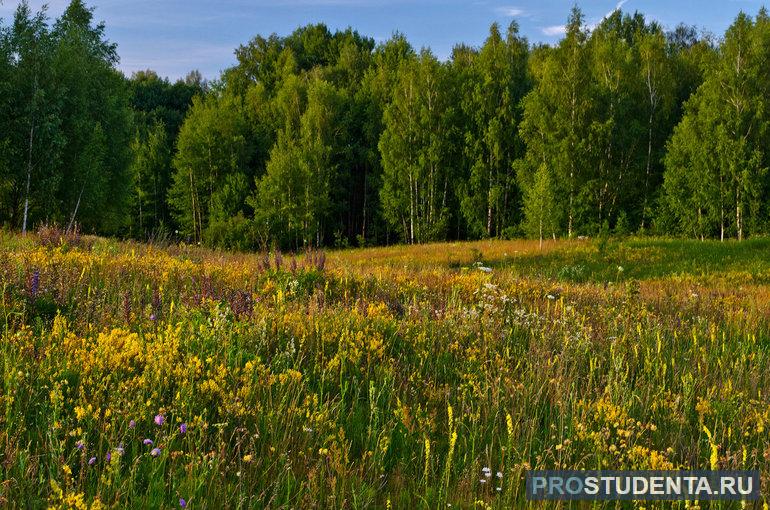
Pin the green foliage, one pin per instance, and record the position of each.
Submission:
(493, 84)
(324, 138)
(149, 169)
(159, 110)
(95, 124)
(65, 156)
(716, 166)
(541, 210)
(558, 115)
(34, 139)
(6, 90)
(211, 149)
(417, 150)
(292, 200)
(598, 116)
(621, 225)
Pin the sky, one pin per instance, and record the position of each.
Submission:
(173, 37)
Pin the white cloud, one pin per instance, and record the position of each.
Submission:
(511, 12)
(555, 30)
(618, 6)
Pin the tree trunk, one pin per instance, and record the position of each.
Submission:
(431, 198)
(75, 212)
(411, 209)
(722, 225)
(700, 224)
(738, 214)
(489, 203)
(363, 225)
(192, 205)
(573, 113)
(29, 178)
(155, 200)
(139, 201)
(541, 230)
(721, 209)
(647, 172)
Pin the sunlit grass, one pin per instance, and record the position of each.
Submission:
(401, 377)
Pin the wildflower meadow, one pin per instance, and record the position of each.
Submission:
(149, 376)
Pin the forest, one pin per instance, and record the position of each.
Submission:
(324, 138)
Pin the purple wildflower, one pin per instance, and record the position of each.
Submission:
(155, 452)
(159, 419)
(92, 461)
(152, 317)
(183, 428)
(182, 503)
(131, 424)
(109, 457)
(148, 442)
(80, 445)
(34, 285)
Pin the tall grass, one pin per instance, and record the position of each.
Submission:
(136, 376)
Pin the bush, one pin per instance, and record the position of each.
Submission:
(52, 236)
(235, 233)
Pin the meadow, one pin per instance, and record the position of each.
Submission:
(141, 376)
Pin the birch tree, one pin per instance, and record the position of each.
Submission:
(541, 210)
(416, 148)
(558, 113)
(496, 83)
(722, 138)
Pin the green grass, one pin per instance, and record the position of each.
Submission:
(645, 259)
(387, 378)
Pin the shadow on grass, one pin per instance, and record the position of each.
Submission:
(645, 259)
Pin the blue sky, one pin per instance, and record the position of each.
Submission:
(175, 36)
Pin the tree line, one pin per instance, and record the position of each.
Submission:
(326, 138)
